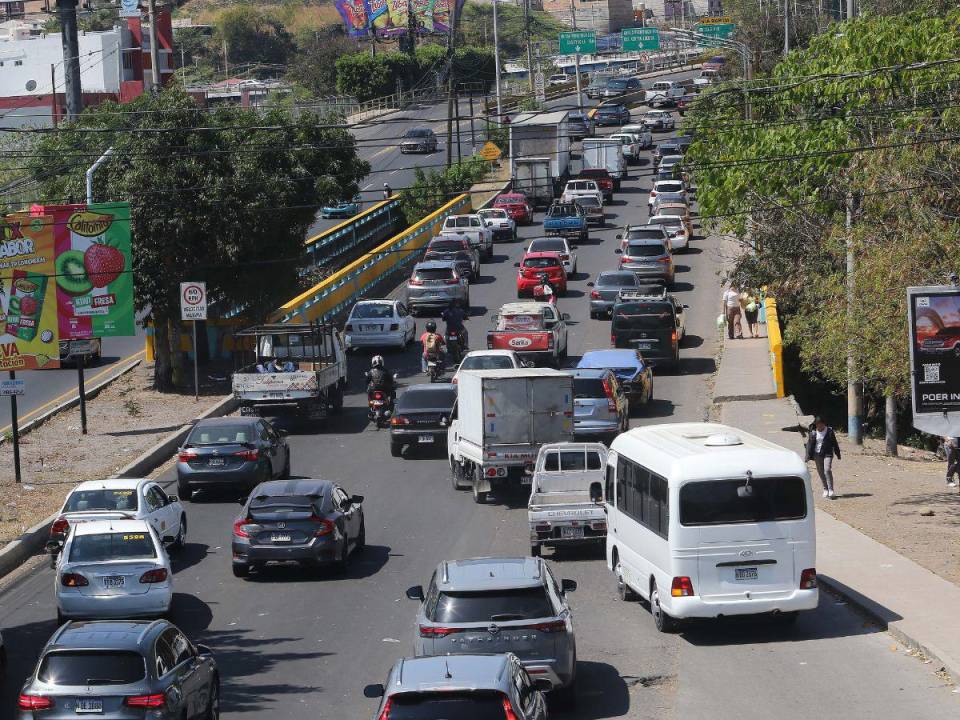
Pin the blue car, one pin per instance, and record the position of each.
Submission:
(631, 370)
(612, 115)
(343, 209)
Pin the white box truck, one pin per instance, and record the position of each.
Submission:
(500, 420)
(605, 154)
(541, 135)
(532, 177)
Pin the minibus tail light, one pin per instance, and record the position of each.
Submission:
(682, 587)
(808, 579)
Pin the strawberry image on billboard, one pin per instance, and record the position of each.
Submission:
(94, 277)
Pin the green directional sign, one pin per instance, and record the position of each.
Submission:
(584, 41)
(721, 30)
(640, 39)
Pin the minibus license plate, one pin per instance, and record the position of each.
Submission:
(749, 573)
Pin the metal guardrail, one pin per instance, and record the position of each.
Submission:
(373, 224)
(776, 345)
(346, 286)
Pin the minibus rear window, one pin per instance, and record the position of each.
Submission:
(716, 502)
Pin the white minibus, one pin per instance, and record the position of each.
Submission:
(706, 520)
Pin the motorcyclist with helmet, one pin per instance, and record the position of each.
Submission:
(380, 378)
(387, 191)
(432, 345)
(454, 316)
(544, 291)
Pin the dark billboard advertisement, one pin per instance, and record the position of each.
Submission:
(935, 348)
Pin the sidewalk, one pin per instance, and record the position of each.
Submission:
(915, 605)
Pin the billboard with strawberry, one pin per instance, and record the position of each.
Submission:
(28, 303)
(94, 278)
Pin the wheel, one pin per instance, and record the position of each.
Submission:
(181, 535)
(624, 591)
(184, 490)
(361, 541)
(285, 473)
(396, 449)
(241, 570)
(534, 551)
(456, 477)
(213, 705)
(664, 622)
(479, 497)
(336, 398)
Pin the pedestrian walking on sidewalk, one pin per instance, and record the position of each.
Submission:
(731, 310)
(951, 446)
(822, 445)
(751, 310)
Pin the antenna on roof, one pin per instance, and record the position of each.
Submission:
(447, 674)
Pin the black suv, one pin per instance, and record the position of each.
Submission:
(648, 324)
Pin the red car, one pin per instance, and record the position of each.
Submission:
(517, 206)
(602, 177)
(535, 263)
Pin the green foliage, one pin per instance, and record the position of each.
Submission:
(476, 26)
(433, 188)
(98, 20)
(253, 36)
(229, 205)
(314, 65)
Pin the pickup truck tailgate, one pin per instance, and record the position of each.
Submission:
(518, 341)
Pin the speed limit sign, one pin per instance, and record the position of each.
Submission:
(193, 301)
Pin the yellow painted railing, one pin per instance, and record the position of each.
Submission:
(776, 344)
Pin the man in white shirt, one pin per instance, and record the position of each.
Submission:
(731, 310)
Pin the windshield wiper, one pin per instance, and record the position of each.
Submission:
(105, 681)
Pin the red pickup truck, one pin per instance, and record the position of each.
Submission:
(533, 330)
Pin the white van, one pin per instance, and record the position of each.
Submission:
(705, 520)
(666, 88)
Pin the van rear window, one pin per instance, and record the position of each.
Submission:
(643, 316)
(716, 502)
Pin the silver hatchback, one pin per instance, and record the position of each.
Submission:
(437, 284)
(501, 605)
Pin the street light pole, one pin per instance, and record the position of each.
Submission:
(526, 34)
(576, 59)
(786, 27)
(496, 59)
(154, 51)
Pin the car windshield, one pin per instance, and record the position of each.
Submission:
(483, 606)
(643, 316)
(670, 221)
(227, 434)
(370, 311)
(671, 159)
(541, 263)
(717, 502)
(103, 547)
(588, 202)
(667, 150)
(268, 506)
(487, 362)
(92, 667)
(496, 214)
(613, 110)
(670, 187)
(427, 399)
(654, 233)
(445, 246)
(548, 246)
(462, 705)
(509, 200)
(584, 387)
(418, 133)
(674, 211)
(645, 250)
(82, 500)
(617, 84)
(617, 280)
(429, 274)
(563, 210)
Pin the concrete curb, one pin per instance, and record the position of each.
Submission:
(744, 398)
(91, 392)
(18, 551)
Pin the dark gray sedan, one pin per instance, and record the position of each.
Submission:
(607, 288)
(421, 418)
(233, 453)
(311, 522)
(121, 670)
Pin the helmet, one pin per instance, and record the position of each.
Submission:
(377, 361)
(431, 326)
(385, 185)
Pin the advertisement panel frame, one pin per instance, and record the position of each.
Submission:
(938, 412)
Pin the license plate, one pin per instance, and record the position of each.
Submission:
(425, 438)
(749, 573)
(643, 344)
(216, 462)
(571, 532)
(526, 480)
(280, 537)
(89, 705)
(273, 394)
(114, 581)
(372, 328)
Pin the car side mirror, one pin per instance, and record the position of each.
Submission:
(568, 585)
(53, 547)
(542, 684)
(356, 499)
(516, 264)
(619, 237)
(618, 251)
(686, 307)
(374, 691)
(169, 539)
(596, 492)
(566, 316)
(415, 593)
(203, 649)
(172, 499)
(574, 247)
(283, 433)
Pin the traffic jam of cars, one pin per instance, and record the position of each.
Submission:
(512, 415)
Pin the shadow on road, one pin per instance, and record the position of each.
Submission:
(363, 563)
(601, 693)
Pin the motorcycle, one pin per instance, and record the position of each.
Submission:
(379, 406)
(456, 345)
(544, 292)
(435, 368)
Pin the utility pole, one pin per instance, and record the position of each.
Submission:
(854, 386)
(526, 35)
(786, 27)
(456, 110)
(496, 59)
(53, 93)
(576, 59)
(154, 50)
(226, 62)
(411, 44)
(67, 14)
(451, 83)
(851, 9)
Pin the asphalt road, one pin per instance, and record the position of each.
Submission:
(301, 645)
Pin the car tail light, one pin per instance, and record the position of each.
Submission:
(599, 525)
(491, 472)
(429, 631)
(377, 395)
(608, 391)
(73, 580)
(550, 341)
(452, 281)
(157, 575)
(673, 336)
(248, 454)
(34, 702)
(549, 627)
(808, 579)
(158, 700)
(326, 526)
(385, 715)
(542, 527)
(594, 294)
(682, 587)
(186, 455)
(613, 339)
(239, 528)
(399, 420)
(664, 260)
(394, 327)
(60, 526)
(416, 282)
(508, 709)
